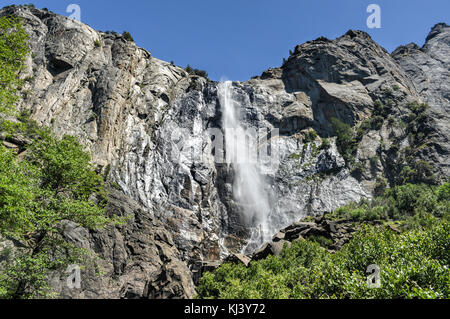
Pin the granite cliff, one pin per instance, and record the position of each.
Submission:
(139, 117)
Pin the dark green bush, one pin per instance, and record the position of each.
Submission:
(379, 109)
(13, 51)
(380, 186)
(345, 141)
(55, 182)
(358, 169)
(325, 144)
(52, 183)
(197, 72)
(127, 36)
(310, 136)
(417, 172)
(413, 264)
(418, 108)
(399, 202)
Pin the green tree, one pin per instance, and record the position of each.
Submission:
(414, 263)
(66, 168)
(345, 142)
(13, 51)
(127, 36)
(55, 183)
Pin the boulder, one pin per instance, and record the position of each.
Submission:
(278, 236)
(173, 281)
(263, 252)
(238, 259)
(277, 247)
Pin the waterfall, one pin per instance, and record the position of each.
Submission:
(249, 186)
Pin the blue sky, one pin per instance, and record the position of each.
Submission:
(241, 38)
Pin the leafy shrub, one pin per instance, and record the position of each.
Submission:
(345, 142)
(358, 169)
(376, 122)
(417, 172)
(443, 192)
(310, 136)
(418, 108)
(380, 186)
(197, 72)
(413, 264)
(321, 240)
(13, 51)
(379, 109)
(325, 144)
(373, 161)
(127, 36)
(398, 203)
(54, 183)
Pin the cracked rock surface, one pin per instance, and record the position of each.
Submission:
(142, 118)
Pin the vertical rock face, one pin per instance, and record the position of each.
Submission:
(429, 69)
(149, 127)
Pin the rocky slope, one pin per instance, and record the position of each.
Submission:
(429, 70)
(141, 117)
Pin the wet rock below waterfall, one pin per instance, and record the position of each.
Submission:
(336, 233)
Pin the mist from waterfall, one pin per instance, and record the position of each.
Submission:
(249, 185)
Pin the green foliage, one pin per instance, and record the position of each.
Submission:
(127, 36)
(345, 142)
(55, 182)
(65, 166)
(321, 240)
(417, 108)
(400, 203)
(310, 136)
(13, 51)
(358, 169)
(381, 109)
(443, 192)
(325, 144)
(419, 172)
(403, 164)
(97, 43)
(413, 264)
(197, 72)
(373, 160)
(391, 119)
(27, 276)
(380, 186)
(374, 123)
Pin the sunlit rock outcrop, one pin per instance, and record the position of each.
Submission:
(149, 125)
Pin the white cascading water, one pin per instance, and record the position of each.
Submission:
(249, 188)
